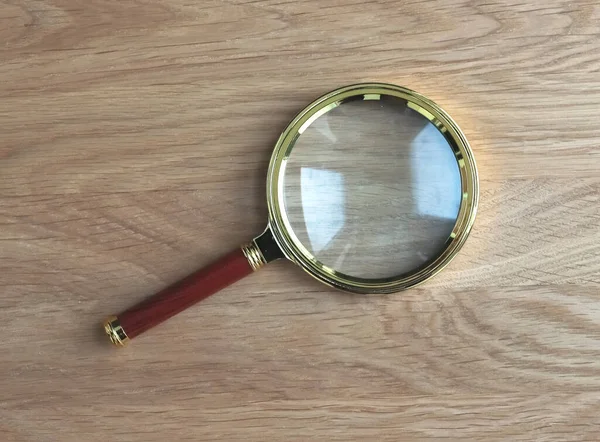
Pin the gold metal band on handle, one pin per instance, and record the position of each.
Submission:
(116, 334)
(253, 255)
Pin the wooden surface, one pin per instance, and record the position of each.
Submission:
(134, 143)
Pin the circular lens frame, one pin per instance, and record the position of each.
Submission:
(280, 225)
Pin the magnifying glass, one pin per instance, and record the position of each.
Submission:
(372, 188)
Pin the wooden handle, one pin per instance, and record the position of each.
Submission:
(178, 297)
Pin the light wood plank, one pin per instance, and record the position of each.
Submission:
(134, 147)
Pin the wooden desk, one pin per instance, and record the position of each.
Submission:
(134, 144)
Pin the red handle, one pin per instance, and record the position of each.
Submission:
(178, 297)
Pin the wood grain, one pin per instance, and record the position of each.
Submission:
(135, 140)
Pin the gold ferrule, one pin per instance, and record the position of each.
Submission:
(253, 255)
(115, 332)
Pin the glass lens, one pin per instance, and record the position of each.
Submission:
(372, 189)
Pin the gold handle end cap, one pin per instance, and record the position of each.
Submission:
(116, 334)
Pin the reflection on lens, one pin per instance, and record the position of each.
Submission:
(372, 189)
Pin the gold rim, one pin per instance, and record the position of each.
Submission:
(280, 224)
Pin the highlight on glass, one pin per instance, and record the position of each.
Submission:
(372, 188)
